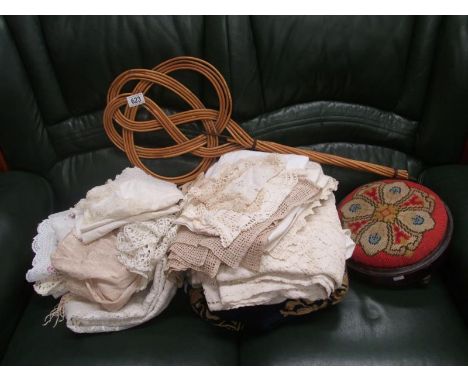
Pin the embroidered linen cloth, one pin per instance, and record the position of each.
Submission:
(132, 196)
(224, 226)
(206, 253)
(242, 189)
(308, 263)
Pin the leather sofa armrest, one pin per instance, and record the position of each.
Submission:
(451, 183)
(25, 199)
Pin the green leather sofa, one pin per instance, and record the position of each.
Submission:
(390, 90)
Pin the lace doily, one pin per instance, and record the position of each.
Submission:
(206, 253)
(316, 232)
(242, 194)
(307, 262)
(141, 245)
(49, 233)
(315, 244)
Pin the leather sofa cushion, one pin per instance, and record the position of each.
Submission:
(372, 326)
(176, 337)
(23, 136)
(25, 200)
(451, 183)
(343, 59)
(375, 80)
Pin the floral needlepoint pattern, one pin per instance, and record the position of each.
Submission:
(389, 217)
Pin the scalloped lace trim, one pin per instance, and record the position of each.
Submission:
(49, 233)
(141, 245)
(52, 286)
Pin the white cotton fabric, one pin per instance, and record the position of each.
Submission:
(242, 189)
(133, 196)
(86, 317)
(307, 262)
(314, 173)
(303, 257)
(283, 227)
(49, 233)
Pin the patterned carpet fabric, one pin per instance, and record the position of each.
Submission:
(261, 317)
(394, 223)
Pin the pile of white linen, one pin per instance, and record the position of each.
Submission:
(259, 229)
(106, 256)
(256, 229)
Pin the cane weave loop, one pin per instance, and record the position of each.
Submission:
(215, 123)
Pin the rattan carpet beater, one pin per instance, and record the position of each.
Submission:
(216, 123)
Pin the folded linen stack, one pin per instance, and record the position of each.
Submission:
(106, 256)
(259, 229)
(256, 230)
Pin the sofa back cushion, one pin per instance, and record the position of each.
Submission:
(369, 82)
